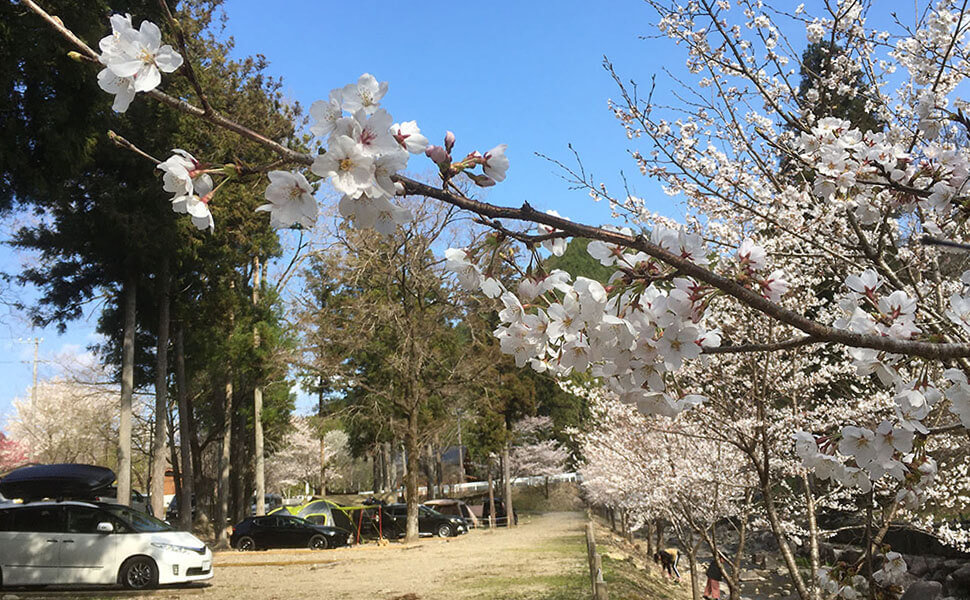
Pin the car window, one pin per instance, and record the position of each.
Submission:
(137, 520)
(84, 519)
(292, 523)
(46, 519)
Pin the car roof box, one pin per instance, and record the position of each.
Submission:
(63, 480)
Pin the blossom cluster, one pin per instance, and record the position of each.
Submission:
(134, 60)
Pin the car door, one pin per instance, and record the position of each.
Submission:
(30, 545)
(294, 533)
(87, 555)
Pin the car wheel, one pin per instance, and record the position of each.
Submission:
(445, 531)
(139, 573)
(246, 544)
(319, 542)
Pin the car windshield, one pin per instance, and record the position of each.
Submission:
(429, 512)
(139, 521)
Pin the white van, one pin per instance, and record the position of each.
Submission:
(70, 542)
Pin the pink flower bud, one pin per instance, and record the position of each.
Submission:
(449, 141)
(439, 155)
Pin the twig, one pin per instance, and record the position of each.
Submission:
(121, 142)
(186, 62)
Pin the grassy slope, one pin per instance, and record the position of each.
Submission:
(625, 570)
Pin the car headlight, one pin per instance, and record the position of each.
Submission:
(175, 548)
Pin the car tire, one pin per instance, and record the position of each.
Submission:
(318, 542)
(445, 531)
(139, 573)
(246, 544)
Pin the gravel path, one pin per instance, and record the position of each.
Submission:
(468, 567)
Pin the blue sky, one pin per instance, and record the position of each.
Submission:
(527, 74)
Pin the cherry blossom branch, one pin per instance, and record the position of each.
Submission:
(211, 116)
(940, 351)
(728, 286)
(774, 347)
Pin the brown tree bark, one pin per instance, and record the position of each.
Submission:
(507, 480)
(129, 292)
(186, 435)
(160, 439)
(413, 454)
(222, 506)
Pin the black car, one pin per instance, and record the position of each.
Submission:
(284, 531)
(430, 522)
(172, 514)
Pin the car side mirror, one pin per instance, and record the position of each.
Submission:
(105, 527)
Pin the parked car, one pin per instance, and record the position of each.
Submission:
(172, 513)
(73, 542)
(454, 508)
(271, 502)
(501, 517)
(285, 531)
(138, 500)
(430, 521)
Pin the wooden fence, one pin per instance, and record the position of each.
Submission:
(595, 565)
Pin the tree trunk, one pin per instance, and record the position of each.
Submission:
(812, 536)
(159, 449)
(438, 466)
(127, 388)
(222, 507)
(185, 433)
(692, 568)
(258, 404)
(323, 465)
(507, 479)
(394, 476)
(461, 453)
(780, 537)
(491, 496)
(411, 443)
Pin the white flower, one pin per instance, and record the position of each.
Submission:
(864, 283)
(408, 135)
(349, 168)
(326, 113)
(122, 87)
(139, 54)
(364, 95)
(196, 203)
(751, 254)
(556, 245)
(290, 199)
(385, 166)
(191, 189)
(371, 131)
(496, 163)
(457, 261)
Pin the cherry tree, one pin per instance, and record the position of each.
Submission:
(535, 453)
(841, 234)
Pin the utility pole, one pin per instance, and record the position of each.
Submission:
(33, 389)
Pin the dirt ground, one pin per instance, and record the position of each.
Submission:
(525, 562)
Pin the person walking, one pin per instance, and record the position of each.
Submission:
(712, 591)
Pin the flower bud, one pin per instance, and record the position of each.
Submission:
(449, 141)
(75, 56)
(439, 155)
